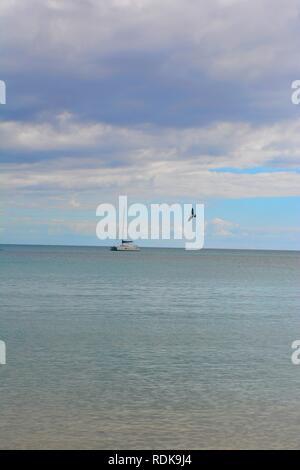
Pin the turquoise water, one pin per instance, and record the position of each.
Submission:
(158, 349)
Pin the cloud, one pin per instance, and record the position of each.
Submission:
(154, 180)
(69, 155)
(228, 37)
(156, 62)
(222, 232)
(197, 162)
(223, 144)
(81, 227)
(56, 226)
(223, 228)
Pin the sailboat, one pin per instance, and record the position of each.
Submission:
(125, 245)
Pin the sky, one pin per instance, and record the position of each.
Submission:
(161, 100)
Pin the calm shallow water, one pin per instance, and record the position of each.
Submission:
(157, 349)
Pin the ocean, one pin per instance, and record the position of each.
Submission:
(161, 349)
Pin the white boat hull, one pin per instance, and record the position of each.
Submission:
(125, 246)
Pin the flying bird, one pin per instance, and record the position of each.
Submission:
(192, 216)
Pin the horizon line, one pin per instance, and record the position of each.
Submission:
(149, 247)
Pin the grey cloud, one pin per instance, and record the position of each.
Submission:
(151, 61)
(228, 37)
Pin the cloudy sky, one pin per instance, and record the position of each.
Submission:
(162, 100)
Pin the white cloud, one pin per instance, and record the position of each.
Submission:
(223, 228)
(153, 180)
(225, 232)
(146, 159)
(223, 144)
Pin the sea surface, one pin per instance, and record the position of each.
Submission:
(159, 349)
